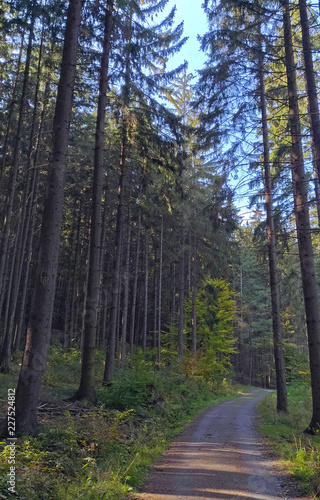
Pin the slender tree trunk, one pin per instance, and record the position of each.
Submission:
(155, 302)
(194, 297)
(111, 351)
(72, 318)
(11, 107)
(300, 184)
(135, 288)
(181, 296)
(87, 382)
(312, 96)
(39, 329)
(160, 293)
(4, 246)
(102, 295)
(31, 216)
(85, 293)
(271, 242)
(311, 82)
(124, 326)
(146, 283)
(21, 239)
(7, 339)
(173, 306)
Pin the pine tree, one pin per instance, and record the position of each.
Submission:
(309, 284)
(39, 329)
(87, 383)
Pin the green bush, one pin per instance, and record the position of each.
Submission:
(105, 451)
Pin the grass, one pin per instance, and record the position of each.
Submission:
(299, 452)
(103, 452)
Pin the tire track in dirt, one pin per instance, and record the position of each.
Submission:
(220, 456)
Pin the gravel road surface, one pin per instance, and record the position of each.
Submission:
(220, 456)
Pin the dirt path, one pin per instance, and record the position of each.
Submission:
(220, 456)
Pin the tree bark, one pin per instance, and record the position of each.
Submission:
(181, 296)
(21, 237)
(194, 297)
(271, 242)
(300, 188)
(87, 381)
(135, 288)
(125, 310)
(4, 247)
(312, 95)
(39, 329)
(146, 283)
(111, 351)
(160, 293)
(31, 216)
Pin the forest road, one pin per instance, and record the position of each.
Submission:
(220, 456)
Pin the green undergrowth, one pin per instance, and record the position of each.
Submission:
(299, 452)
(103, 452)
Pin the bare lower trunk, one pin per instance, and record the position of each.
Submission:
(87, 382)
(146, 283)
(311, 83)
(181, 297)
(4, 247)
(309, 283)
(160, 294)
(111, 350)
(135, 289)
(273, 269)
(194, 299)
(155, 303)
(39, 329)
(126, 292)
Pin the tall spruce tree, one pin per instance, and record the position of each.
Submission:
(39, 329)
(236, 37)
(141, 59)
(300, 189)
(87, 382)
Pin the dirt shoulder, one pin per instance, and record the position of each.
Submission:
(220, 456)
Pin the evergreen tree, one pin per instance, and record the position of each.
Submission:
(39, 330)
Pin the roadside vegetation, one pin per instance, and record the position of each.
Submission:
(299, 452)
(104, 451)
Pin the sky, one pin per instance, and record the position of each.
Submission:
(191, 12)
(195, 23)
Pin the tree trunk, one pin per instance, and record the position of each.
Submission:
(300, 188)
(39, 329)
(124, 325)
(155, 301)
(11, 106)
(146, 283)
(181, 296)
(87, 381)
(21, 238)
(312, 96)
(111, 351)
(31, 217)
(4, 247)
(135, 288)
(271, 242)
(160, 293)
(72, 318)
(194, 297)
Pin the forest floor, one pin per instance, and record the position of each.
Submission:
(221, 456)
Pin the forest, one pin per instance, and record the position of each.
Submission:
(155, 219)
